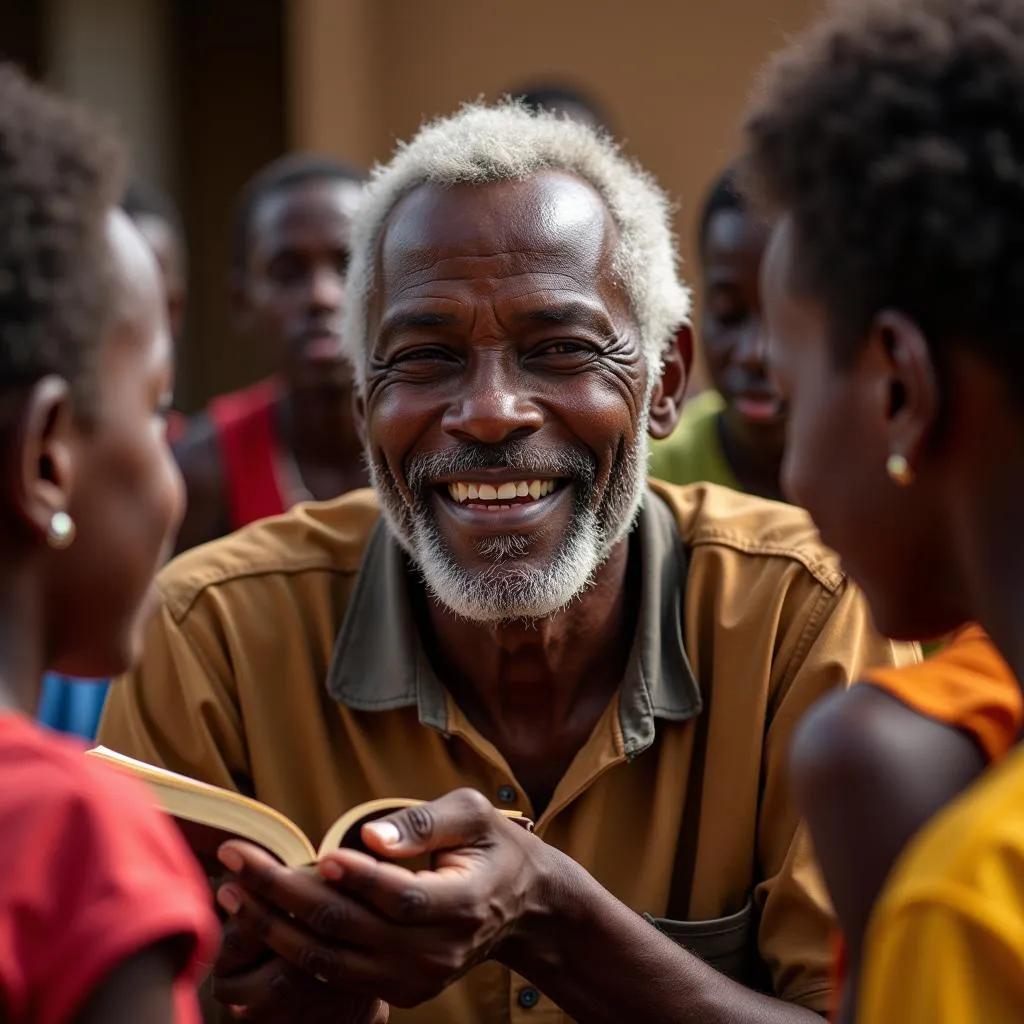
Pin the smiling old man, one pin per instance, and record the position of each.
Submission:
(514, 610)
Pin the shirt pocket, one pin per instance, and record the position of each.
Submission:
(725, 943)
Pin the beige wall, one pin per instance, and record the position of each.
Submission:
(674, 75)
(113, 54)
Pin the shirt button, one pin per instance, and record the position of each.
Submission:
(528, 998)
(507, 795)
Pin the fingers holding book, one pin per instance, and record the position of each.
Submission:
(377, 928)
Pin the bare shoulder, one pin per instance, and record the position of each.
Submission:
(865, 743)
(869, 772)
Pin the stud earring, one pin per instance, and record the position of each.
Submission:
(62, 530)
(899, 470)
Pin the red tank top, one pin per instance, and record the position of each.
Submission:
(244, 421)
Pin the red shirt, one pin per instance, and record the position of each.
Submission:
(250, 453)
(91, 873)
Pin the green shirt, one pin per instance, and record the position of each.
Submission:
(693, 453)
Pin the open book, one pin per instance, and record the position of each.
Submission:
(209, 815)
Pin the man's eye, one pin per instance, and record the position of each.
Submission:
(428, 353)
(566, 347)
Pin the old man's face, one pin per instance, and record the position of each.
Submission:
(506, 417)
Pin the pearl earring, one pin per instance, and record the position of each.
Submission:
(62, 530)
(899, 470)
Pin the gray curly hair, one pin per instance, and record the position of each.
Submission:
(507, 142)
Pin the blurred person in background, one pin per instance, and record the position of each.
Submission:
(158, 221)
(732, 434)
(160, 224)
(564, 100)
(292, 438)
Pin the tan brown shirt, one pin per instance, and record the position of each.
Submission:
(285, 662)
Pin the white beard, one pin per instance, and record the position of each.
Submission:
(507, 590)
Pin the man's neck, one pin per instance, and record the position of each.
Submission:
(536, 690)
(316, 425)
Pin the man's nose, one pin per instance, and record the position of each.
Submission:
(491, 406)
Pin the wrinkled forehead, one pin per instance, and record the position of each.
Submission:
(550, 223)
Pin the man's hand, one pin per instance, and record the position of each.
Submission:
(258, 986)
(382, 930)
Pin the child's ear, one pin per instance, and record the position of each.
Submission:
(43, 465)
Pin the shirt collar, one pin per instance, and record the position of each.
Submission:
(379, 663)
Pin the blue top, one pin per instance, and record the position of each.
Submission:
(72, 705)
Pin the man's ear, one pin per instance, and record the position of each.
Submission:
(44, 460)
(909, 385)
(669, 392)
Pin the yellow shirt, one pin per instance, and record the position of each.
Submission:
(946, 941)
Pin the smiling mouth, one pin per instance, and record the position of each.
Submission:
(497, 496)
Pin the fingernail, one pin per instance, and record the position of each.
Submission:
(230, 858)
(229, 899)
(331, 870)
(387, 833)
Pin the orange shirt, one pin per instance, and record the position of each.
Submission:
(966, 685)
(90, 875)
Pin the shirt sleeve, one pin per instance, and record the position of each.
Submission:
(936, 962)
(966, 685)
(97, 875)
(829, 641)
(178, 708)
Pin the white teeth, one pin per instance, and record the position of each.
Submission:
(508, 491)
